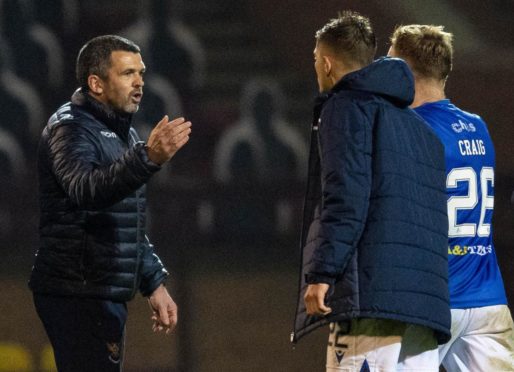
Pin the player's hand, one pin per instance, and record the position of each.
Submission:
(167, 138)
(164, 310)
(315, 299)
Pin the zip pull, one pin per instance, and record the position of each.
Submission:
(316, 127)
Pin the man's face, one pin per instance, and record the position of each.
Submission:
(123, 87)
(320, 65)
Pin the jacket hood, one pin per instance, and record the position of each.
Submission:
(388, 77)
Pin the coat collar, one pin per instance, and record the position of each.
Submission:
(117, 122)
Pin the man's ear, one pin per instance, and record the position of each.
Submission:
(95, 84)
(327, 65)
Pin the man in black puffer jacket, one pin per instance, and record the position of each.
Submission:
(94, 254)
(375, 226)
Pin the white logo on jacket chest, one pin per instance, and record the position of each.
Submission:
(108, 134)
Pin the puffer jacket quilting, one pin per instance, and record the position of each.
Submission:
(92, 174)
(375, 222)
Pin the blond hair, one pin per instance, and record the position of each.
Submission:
(428, 49)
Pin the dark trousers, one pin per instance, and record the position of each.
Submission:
(86, 334)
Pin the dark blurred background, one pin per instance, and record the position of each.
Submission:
(225, 214)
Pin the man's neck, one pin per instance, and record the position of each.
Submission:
(428, 91)
(340, 73)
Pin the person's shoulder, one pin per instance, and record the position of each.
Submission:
(346, 100)
(70, 121)
(364, 102)
(352, 96)
(347, 103)
(446, 106)
(469, 115)
(70, 114)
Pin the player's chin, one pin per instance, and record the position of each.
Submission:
(131, 108)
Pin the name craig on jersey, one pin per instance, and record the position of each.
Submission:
(471, 147)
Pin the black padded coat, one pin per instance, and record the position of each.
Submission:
(92, 174)
(375, 222)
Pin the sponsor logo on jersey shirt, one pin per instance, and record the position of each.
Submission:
(463, 250)
(461, 126)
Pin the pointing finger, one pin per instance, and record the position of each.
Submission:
(162, 122)
(176, 121)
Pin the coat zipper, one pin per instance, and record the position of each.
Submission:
(314, 134)
(132, 142)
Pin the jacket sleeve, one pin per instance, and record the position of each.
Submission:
(152, 271)
(76, 163)
(345, 136)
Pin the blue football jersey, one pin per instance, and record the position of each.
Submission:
(475, 279)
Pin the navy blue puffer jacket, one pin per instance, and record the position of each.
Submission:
(375, 220)
(92, 171)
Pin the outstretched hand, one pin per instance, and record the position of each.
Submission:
(167, 138)
(164, 310)
(315, 299)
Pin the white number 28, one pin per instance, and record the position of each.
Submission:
(470, 201)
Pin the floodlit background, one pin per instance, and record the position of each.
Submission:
(225, 214)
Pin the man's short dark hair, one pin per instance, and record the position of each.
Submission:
(351, 37)
(95, 56)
